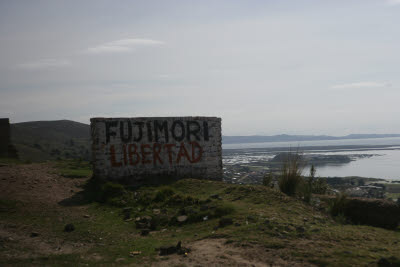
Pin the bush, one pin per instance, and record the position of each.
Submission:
(290, 177)
(313, 185)
(163, 194)
(374, 212)
(224, 210)
(112, 191)
(337, 206)
(267, 179)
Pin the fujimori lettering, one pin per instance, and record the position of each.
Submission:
(178, 130)
(133, 148)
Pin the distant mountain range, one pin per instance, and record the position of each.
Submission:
(288, 138)
(49, 140)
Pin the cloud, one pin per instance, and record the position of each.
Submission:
(360, 85)
(124, 45)
(393, 2)
(46, 63)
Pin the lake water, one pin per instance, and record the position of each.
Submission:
(383, 162)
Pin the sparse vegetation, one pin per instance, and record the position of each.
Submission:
(337, 205)
(251, 218)
(290, 178)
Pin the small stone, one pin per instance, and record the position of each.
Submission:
(119, 259)
(34, 234)
(145, 232)
(69, 228)
(156, 211)
(225, 222)
(135, 253)
(300, 229)
(167, 250)
(182, 218)
(251, 218)
(203, 207)
(86, 216)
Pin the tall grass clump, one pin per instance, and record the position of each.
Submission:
(337, 206)
(290, 178)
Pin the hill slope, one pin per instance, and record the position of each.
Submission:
(259, 226)
(45, 140)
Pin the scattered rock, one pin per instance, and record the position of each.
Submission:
(289, 228)
(182, 218)
(34, 234)
(225, 222)
(120, 260)
(127, 212)
(168, 250)
(86, 216)
(203, 207)
(143, 222)
(251, 219)
(156, 211)
(69, 228)
(389, 262)
(300, 229)
(145, 232)
(134, 253)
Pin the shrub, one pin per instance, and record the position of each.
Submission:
(337, 205)
(111, 190)
(223, 210)
(374, 212)
(163, 194)
(313, 185)
(290, 177)
(267, 179)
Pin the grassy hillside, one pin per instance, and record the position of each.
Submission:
(46, 140)
(218, 224)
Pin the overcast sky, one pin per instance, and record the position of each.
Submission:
(265, 67)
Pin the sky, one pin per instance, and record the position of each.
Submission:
(265, 67)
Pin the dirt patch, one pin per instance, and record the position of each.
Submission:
(220, 252)
(36, 183)
(37, 188)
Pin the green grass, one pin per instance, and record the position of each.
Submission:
(264, 217)
(10, 161)
(74, 168)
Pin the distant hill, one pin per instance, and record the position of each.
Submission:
(288, 138)
(47, 140)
